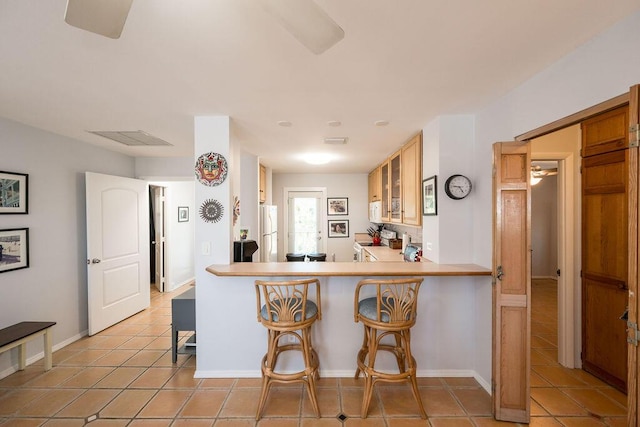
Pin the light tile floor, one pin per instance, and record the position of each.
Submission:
(124, 377)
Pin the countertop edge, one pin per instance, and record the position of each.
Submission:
(346, 269)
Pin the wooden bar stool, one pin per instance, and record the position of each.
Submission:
(391, 312)
(283, 308)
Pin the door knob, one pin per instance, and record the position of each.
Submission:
(95, 261)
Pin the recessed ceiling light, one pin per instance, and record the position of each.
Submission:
(284, 123)
(334, 123)
(381, 122)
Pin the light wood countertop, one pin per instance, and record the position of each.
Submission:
(285, 269)
(385, 253)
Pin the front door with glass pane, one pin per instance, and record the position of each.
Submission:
(305, 233)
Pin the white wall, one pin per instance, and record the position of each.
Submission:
(54, 287)
(249, 200)
(544, 228)
(448, 150)
(599, 70)
(353, 186)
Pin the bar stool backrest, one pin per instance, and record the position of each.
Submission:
(284, 304)
(396, 303)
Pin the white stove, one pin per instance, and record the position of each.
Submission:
(358, 252)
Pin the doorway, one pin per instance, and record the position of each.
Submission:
(562, 147)
(304, 220)
(157, 236)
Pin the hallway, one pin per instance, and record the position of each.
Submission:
(124, 377)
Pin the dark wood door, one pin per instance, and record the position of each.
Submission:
(605, 171)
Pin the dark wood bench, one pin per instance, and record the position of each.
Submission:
(23, 332)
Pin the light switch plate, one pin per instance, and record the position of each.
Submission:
(206, 248)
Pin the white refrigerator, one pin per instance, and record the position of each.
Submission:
(268, 233)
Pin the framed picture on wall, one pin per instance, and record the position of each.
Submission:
(338, 228)
(337, 206)
(14, 188)
(183, 213)
(14, 249)
(430, 196)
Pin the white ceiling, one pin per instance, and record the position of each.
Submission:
(405, 61)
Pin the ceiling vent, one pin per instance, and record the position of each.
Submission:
(132, 138)
(336, 140)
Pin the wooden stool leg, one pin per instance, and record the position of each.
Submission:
(399, 352)
(48, 354)
(368, 392)
(412, 372)
(311, 369)
(268, 363)
(362, 354)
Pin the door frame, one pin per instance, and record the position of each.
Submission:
(631, 98)
(285, 214)
(565, 207)
(159, 239)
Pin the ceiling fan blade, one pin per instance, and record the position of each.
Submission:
(307, 22)
(104, 17)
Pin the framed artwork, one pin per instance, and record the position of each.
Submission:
(337, 206)
(14, 249)
(430, 196)
(338, 228)
(244, 233)
(14, 191)
(183, 213)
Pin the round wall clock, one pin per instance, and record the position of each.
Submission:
(211, 169)
(457, 187)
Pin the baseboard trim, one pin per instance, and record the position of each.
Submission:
(426, 373)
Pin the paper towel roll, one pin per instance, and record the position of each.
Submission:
(406, 239)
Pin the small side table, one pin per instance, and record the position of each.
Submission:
(183, 318)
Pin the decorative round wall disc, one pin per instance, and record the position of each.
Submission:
(211, 210)
(211, 169)
(236, 209)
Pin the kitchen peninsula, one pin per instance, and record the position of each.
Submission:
(443, 342)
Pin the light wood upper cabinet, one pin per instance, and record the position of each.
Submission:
(398, 182)
(411, 169)
(395, 184)
(375, 185)
(263, 184)
(384, 183)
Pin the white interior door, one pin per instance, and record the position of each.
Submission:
(159, 238)
(305, 220)
(117, 249)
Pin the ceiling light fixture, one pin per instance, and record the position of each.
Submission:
(334, 123)
(336, 140)
(381, 122)
(535, 180)
(285, 123)
(316, 158)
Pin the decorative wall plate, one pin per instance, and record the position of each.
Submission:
(211, 210)
(236, 209)
(211, 169)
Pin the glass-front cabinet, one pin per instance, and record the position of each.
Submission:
(384, 177)
(396, 188)
(399, 179)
